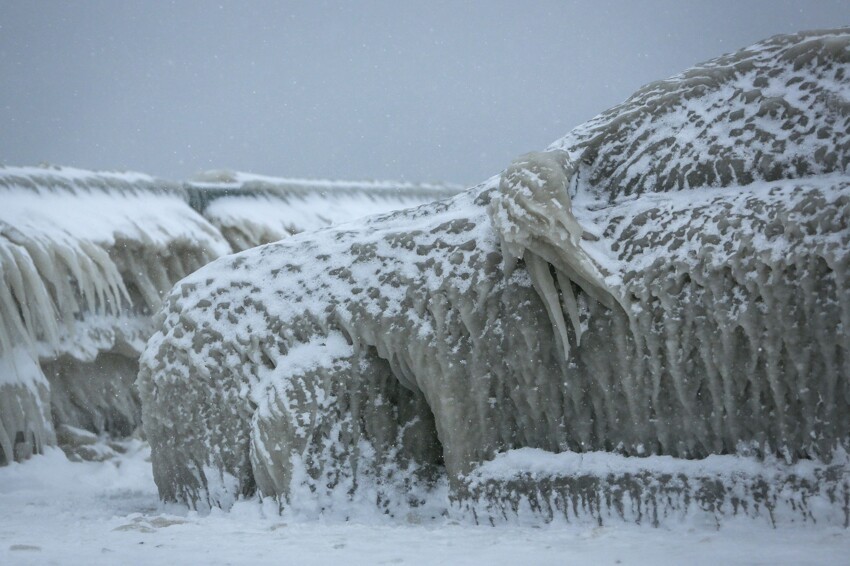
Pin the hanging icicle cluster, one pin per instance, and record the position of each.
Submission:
(85, 258)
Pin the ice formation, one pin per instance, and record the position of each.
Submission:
(251, 209)
(85, 260)
(669, 280)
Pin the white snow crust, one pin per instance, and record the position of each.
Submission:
(773, 110)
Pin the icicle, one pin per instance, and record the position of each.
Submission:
(114, 291)
(176, 271)
(13, 290)
(13, 328)
(569, 300)
(39, 311)
(69, 258)
(46, 265)
(146, 287)
(545, 286)
(156, 267)
(533, 211)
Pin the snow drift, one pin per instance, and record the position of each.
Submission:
(669, 280)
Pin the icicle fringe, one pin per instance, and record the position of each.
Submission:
(70, 294)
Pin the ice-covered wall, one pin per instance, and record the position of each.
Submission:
(251, 210)
(670, 279)
(85, 258)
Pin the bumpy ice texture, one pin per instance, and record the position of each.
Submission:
(670, 279)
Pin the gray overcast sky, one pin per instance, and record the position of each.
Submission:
(420, 91)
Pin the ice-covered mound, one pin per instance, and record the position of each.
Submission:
(251, 210)
(85, 258)
(776, 110)
(584, 300)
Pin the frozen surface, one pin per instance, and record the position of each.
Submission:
(84, 259)
(251, 209)
(668, 280)
(56, 511)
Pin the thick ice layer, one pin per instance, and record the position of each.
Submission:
(251, 210)
(85, 258)
(230, 352)
(542, 309)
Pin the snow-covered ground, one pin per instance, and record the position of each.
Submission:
(54, 511)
